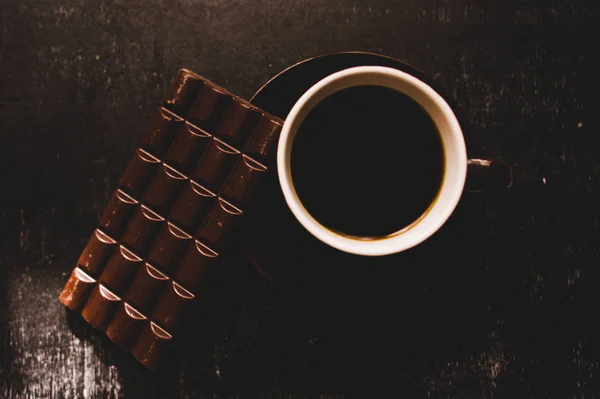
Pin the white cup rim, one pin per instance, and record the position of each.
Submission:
(455, 159)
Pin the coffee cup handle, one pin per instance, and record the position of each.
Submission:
(483, 174)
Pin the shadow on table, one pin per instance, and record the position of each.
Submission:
(333, 322)
(363, 324)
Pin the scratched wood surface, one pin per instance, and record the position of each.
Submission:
(78, 83)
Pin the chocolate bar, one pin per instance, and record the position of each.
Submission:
(188, 185)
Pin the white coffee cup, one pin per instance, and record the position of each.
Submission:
(455, 159)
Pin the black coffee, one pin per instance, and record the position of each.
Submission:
(367, 161)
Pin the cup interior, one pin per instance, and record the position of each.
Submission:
(455, 159)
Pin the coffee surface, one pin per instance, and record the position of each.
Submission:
(367, 161)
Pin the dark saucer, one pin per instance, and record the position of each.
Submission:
(276, 243)
(281, 92)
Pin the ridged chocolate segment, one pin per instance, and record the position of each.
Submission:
(162, 130)
(243, 180)
(263, 141)
(209, 107)
(164, 189)
(187, 147)
(192, 206)
(77, 290)
(172, 306)
(146, 288)
(120, 270)
(142, 230)
(238, 123)
(169, 247)
(215, 164)
(183, 91)
(100, 307)
(126, 326)
(195, 266)
(96, 252)
(139, 173)
(219, 224)
(152, 346)
(117, 213)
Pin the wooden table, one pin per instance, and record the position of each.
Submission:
(515, 316)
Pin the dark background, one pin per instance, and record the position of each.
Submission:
(512, 311)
